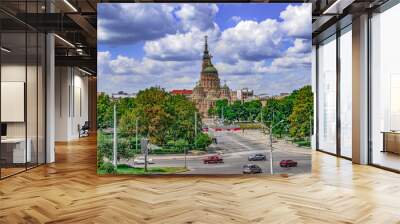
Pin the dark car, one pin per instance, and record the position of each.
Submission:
(288, 163)
(257, 157)
(251, 169)
(213, 159)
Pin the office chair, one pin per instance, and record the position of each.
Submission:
(84, 130)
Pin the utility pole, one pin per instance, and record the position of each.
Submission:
(195, 129)
(271, 161)
(270, 151)
(137, 124)
(185, 157)
(115, 137)
(222, 116)
(195, 124)
(143, 145)
(262, 120)
(311, 129)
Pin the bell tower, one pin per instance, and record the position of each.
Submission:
(206, 55)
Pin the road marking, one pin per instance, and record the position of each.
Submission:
(239, 143)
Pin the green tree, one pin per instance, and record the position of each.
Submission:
(165, 117)
(300, 118)
(127, 123)
(104, 111)
(236, 111)
(125, 105)
(153, 119)
(252, 109)
(276, 114)
(211, 112)
(202, 141)
(220, 105)
(182, 112)
(104, 147)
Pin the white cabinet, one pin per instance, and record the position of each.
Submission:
(18, 149)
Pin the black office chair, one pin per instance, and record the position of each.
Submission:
(84, 130)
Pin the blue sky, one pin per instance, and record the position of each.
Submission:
(265, 47)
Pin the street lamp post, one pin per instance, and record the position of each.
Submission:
(222, 115)
(137, 124)
(271, 168)
(115, 137)
(185, 157)
(311, 129)
(195, 129)
(195, 124)
(144, 146)
(270, 146)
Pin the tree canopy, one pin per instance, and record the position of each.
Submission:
(236, 111)
(290, 115)
(161, 116)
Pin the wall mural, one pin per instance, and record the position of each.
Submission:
(204, 88)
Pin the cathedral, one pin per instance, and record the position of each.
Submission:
(208, 90)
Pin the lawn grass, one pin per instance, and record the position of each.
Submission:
(302, 143)
(245, 126)
(125, 169)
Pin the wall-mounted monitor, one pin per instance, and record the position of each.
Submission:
(12, 101)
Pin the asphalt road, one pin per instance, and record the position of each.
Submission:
(235, 147)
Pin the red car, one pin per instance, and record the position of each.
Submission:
(213, 159)
(288, 163)
(218, 129)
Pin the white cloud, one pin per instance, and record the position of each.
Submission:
(129, 74)
(249, 54)
(247, 40)
(297, 20)
(129, 23)
(200, 16)
(291, 62)
(181, 46)
(236, 18)
(300, 46)
(250, 40)
(196, 21)
(103, 58)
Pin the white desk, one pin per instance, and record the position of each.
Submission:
(19, 153)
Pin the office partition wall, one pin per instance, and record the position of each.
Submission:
(385, 89)
(327, 95)
(22, 88)
(383, 71)
(345, 60)
(14, 153)
(334, 97)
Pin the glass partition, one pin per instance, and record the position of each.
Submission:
(346, 92)
(22, 88)
(385, 89)
(13, 94)
(327, 95)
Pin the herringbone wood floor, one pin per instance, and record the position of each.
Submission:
(69, 191)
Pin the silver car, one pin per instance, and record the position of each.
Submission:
(251, 169)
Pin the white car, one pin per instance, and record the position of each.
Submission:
(140, 161)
